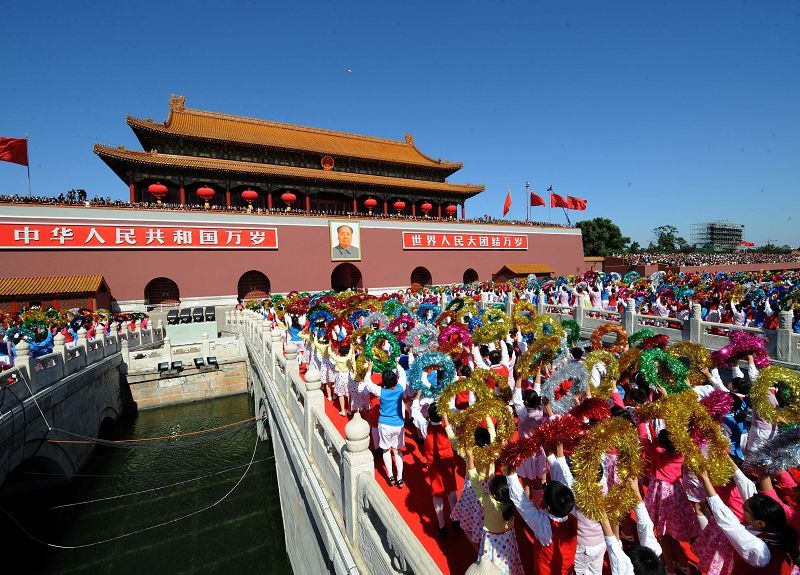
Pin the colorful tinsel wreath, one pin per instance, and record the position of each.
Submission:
(742, 344)
(523, 315)
(379, 365)
(544, 325)
(681, 412)
(539, 353)
(431, 359)
(618, 435)
(619, 343)
(609, 380)
(699, 358)
(580, 381)
(649, 369)
(774, 376)
(473, 417)
(496, 326)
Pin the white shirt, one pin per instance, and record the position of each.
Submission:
(746, 543)
(619, 561)
(537, 519)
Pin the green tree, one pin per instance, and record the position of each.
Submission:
(635, 248)
(602, 237)
(667, 240)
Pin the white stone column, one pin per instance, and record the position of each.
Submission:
(629, 317)
(166, 352)
(206, 346)
(125, 352)
(578, 312)
(60, 348)
(357, 460)
(277, 348)
(783, 340)
(540, 303)
(100, 338)
(160, 329)
(291, 368)
(314, 399)
(138, 325)
(23, 360)
(266, 339)
(83, 345)
(696, 324)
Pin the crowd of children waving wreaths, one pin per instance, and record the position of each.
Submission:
(621, 451)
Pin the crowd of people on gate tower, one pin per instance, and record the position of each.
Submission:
(712, 486)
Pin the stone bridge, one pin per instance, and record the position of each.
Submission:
(48, 402)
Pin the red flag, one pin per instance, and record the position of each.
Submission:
(537, 200)
(576, 203)
(507, 204)
(14, 150)
(557, 201)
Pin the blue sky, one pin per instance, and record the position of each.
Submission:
(656, 113)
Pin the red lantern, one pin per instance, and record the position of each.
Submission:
(370, 204)
(158, 191)
(249, 196)
(426, 208)
(288, 198)
(399, 205)
(206, 194)
(451, 210)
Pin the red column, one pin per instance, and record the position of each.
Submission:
(414, 210)
(269, 200)
(440, 210)
(355, 205)
(385, 207)
(183, 195)
(227, 198)
(463, 211)
(133, 192)
(308, 203)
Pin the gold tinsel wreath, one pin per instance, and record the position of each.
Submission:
(441, 322)
(772, 376)
(523, 315)
(539, 353)
(614, 433)
(619, 344)
(699, 358)
(492, 331)
(629, 358)
(542, 320)
(681, 412)
(473, 417)
(609, 382)
(476, 383)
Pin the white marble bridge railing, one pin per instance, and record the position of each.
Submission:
(33, 374)
(782, 344)
(356, 513)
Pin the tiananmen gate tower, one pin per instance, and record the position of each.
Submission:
(327, 210)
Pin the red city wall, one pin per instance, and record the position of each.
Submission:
(302, 262)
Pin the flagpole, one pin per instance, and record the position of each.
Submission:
(528, 200)
(28, 165)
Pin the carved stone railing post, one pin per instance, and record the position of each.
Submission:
(783, 343)
(266, 339)
(357, 460)
(83, 345)
(277, 349)
(100, 338)
(291, 368)
(125, 352)
(578, 312)
(166, 353)
(138, 325)
(696, 324)
(629, 317)
(540, 303)
(23, 360)
(314, 398)
(205, 345)
(509, 304)
(60, 348)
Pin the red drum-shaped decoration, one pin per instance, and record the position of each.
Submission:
(158, 191)
(370, 204)
(451, 210)
(206, 193)
(288, 198)
(426, 208)
(399, 205)
(249, 196)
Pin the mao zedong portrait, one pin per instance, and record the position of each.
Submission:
(345, 249)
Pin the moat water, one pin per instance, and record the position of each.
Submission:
(161, 481)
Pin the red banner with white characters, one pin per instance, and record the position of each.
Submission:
(463, 241)
(166, 235)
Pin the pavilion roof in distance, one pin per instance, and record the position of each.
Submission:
(185, 122)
